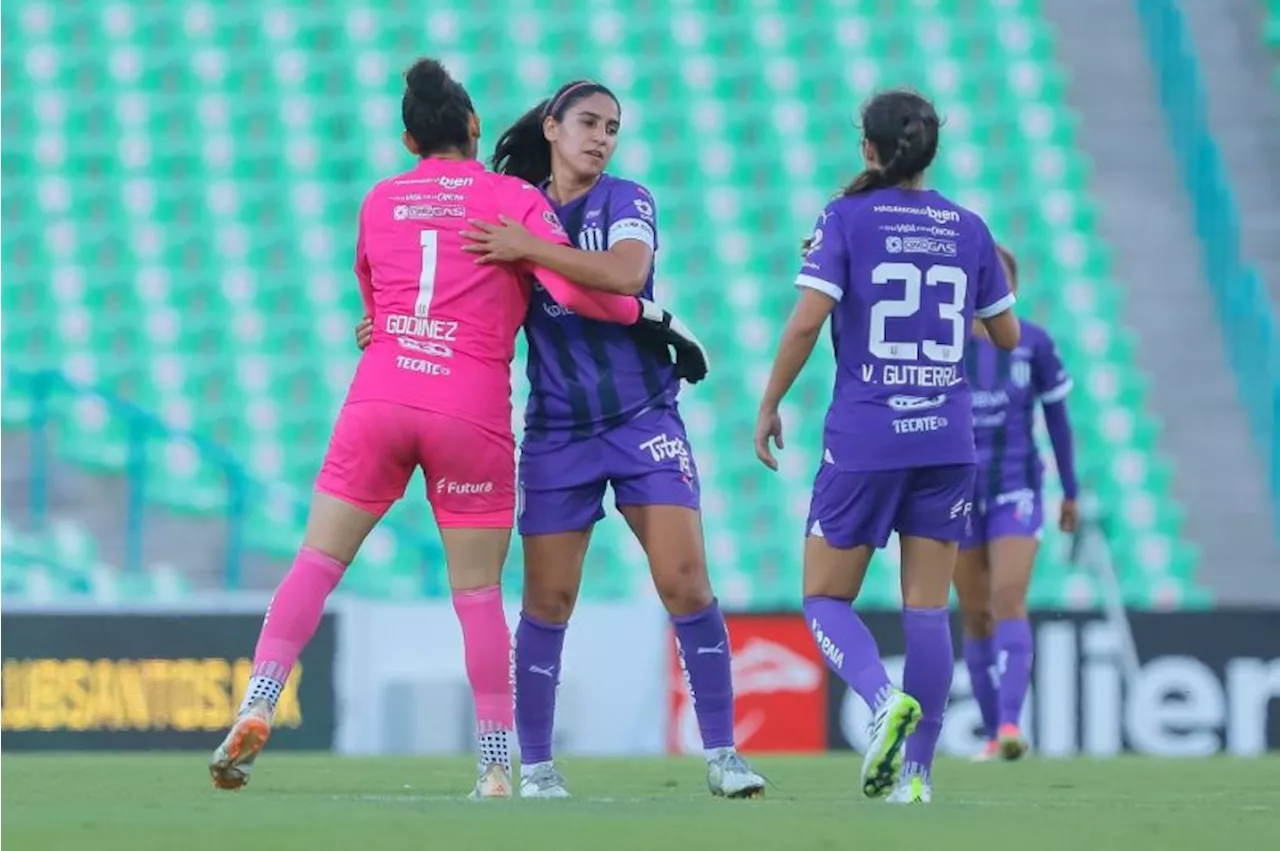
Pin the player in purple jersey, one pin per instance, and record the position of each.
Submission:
(902, 272)
(602, 412)
(993, 572)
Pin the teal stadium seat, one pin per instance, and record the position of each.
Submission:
(181, 182)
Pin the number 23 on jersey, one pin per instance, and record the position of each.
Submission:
(951, 283)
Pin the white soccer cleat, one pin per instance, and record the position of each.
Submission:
(543, 781)
(912, 789)
(729, 776)
(894, 720)
(232, 762)
(494, 782)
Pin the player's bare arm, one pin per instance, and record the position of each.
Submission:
(623, 269)
(798, 339)
(1003, 329)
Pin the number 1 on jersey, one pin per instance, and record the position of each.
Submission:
(429, 240)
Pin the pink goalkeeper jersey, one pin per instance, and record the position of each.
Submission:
(444, 329)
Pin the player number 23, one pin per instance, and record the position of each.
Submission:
(909, 305)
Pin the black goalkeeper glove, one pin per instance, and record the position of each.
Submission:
(661, 332)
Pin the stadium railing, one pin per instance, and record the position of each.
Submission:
(1252, 331)
(49, 393)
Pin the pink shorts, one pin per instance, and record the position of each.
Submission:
(376, 446)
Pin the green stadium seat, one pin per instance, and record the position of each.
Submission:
(62, 561)
(196, 255)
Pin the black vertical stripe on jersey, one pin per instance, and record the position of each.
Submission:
(651, 367)
(1031, 463)
(999, 440)
(607, 396)
(571, 218)
(579, 404)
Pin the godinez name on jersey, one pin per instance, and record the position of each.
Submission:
(444, 327)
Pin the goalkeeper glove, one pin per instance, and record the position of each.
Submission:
(663, 332)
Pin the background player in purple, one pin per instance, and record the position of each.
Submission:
(902, 272)
(602, 412)
(993, 572)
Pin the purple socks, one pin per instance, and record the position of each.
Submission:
(704, 654)
(848, 647)
(537, 670)
(703, 644)
(980, 658)
(927, 677)
(1013, 650)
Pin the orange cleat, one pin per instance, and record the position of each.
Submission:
(232, 762)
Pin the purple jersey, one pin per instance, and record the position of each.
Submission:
(1006, 387)
(910, 270)
(587, 377)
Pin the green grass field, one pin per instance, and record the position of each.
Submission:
(165, 801)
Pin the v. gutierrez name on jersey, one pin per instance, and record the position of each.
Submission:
(912, 375)
(909, 272)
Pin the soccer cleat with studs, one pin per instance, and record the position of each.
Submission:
(729, 776)
(494, 782)
(895, 719)
(543, 781)
(911, 789)
(1013, 745)
(232, 762)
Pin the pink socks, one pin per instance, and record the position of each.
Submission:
(291, 620)
(486, 640)
(295, 613)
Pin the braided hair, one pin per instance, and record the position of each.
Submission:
(902, 127)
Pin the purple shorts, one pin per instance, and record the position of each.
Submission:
(857, 509)
(1013, 514)
(647, 461)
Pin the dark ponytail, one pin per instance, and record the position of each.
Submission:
(523, 151)
(902, 127)
(895, 170)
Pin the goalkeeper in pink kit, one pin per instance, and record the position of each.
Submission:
(432, 390)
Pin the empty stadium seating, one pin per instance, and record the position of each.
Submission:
(1272, 35)
(63, 561)
(181, 181)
